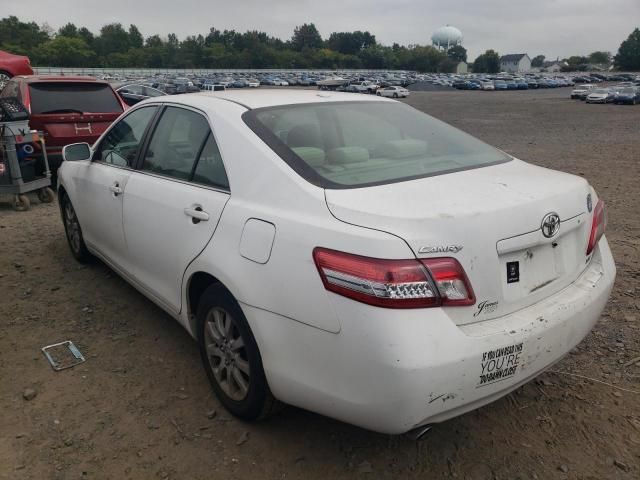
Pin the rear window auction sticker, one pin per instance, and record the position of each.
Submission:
(499, 364)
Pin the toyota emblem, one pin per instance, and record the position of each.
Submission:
(550, 224)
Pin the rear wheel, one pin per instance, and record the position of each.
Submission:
(395, 94)
(73, 231)
(231, 357)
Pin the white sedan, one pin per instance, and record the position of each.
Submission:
(394, 92)
(343, 253)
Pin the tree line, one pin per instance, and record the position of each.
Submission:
(119, 47)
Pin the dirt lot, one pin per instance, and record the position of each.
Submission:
(140, 405)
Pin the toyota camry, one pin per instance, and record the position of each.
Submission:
(346, 254)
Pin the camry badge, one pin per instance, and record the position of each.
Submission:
(550, 224)
(441, 249)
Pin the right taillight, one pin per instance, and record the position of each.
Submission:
(432, 282)
(598, 226)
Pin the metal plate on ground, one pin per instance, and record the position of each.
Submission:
(63, 355)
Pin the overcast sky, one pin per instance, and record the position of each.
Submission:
(549, 27)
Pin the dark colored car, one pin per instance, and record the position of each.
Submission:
(12, 65)
(629, 95)
(67, 109)
(133, 93)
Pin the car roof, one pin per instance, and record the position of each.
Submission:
(270, 97)
(60, 78)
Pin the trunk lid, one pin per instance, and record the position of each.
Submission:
(63, 129)
(495, 215)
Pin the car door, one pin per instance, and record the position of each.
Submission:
(173, 202)
(102, 185)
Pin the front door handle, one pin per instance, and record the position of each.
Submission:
(116, 189)
(197, 214)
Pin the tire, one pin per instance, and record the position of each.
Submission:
(236, 373)
(46, 195)
(73, 231)
(378, 94)
(21, 203)
(395, 94)
(4, 78)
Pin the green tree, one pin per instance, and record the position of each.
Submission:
(65, 52)
(306, 36)
(600, 57)
(628, 57)
(86, 35)
(69, 30)
(113, 39)
(135, 37)
(538, 61)
(20, 37)
(350, 43)
(457, 53)
(488, 62)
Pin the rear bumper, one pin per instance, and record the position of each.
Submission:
(392, 371)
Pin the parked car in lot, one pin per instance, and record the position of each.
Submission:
(628, 95)
(12, 65)
(133, 93)
(67, 109)
(354, 301)
(393, 91)
(581, 90)
(601, 95)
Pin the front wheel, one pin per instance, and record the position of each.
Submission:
(4, 78)
(73, 231)
(231, 357)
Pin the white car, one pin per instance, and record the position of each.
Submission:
(343, 253)
(392, 91)
(601, 95)
(253, 83)
(583, 89)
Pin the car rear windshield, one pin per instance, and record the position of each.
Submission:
(358, 144)
(73, 97)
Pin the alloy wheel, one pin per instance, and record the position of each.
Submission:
(227, 354)
(73, 227)
(4, 78)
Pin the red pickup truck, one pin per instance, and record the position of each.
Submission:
(67, 109)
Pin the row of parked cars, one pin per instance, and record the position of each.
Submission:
(624, 93)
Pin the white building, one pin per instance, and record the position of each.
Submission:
(515, 63)
(461, 68)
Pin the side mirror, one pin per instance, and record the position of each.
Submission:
(76, 152)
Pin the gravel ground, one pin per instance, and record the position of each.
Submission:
(141, 407)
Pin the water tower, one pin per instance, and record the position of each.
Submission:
(446, 37)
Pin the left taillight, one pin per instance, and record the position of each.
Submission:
(385, 283)
(598, 226)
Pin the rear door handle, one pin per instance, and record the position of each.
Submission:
(115, 189)
(197, 214)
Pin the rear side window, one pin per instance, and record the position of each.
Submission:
(183, 147)
(73, 97)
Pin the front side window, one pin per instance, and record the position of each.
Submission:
(176, 143)
(121, 145)
(355, 144)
